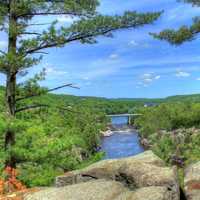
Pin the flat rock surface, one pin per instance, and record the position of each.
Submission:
(101, 190)
(142, 177)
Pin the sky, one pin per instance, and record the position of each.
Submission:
(130, 65)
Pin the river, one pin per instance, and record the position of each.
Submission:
(122, 143)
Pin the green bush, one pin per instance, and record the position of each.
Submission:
(168, 130)
(168, 116)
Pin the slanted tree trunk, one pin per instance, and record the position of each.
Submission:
(11, 83)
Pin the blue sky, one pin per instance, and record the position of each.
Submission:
(132, 64)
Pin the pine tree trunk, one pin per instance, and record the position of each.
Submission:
(10, 93)
(11, 84)
(10, 101)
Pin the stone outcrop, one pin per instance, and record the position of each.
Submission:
(101, 190)
(143, 177)
(192, 182)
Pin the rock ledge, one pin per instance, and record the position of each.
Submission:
(142, 177)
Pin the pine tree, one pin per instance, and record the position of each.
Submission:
(184, 33)
(26, 47)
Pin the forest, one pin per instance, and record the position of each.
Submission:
(47, 47)
(65, 134)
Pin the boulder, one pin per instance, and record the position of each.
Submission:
(107, 133)
(100, 190)
(92, 190)
(192, 182)
(145, 143)
(140, 177)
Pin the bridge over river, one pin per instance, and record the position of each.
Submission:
(127, 117)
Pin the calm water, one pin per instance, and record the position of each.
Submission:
(121, 144)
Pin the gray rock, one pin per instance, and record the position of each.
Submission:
(192, 182)
(143, 177)
(101, 190)
(92, 190)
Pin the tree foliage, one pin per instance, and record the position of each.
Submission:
(51, 141)
(172, 131)
(32, 41)
(184, 33)
(28, 42)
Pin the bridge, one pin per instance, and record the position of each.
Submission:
(125, 115)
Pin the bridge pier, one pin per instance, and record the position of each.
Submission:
(129, 120)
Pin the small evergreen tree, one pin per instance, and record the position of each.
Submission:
(26, 47)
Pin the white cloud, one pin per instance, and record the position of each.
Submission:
(53, 71)
(114, 56)
(147, 78)
(133, 43)
(157, 77)
(182, 74)
(147, 75)
(85, 78)
(198, 79)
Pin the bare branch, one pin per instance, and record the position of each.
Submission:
(66, 85)
(50, 90)
(30, 33)
(41, 52)
(30, 107)
(67, 109)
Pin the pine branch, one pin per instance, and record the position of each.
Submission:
(87, 30)
(193, 2)
(55, 44)
(183, 34)
(54, 13)
(2, 52)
